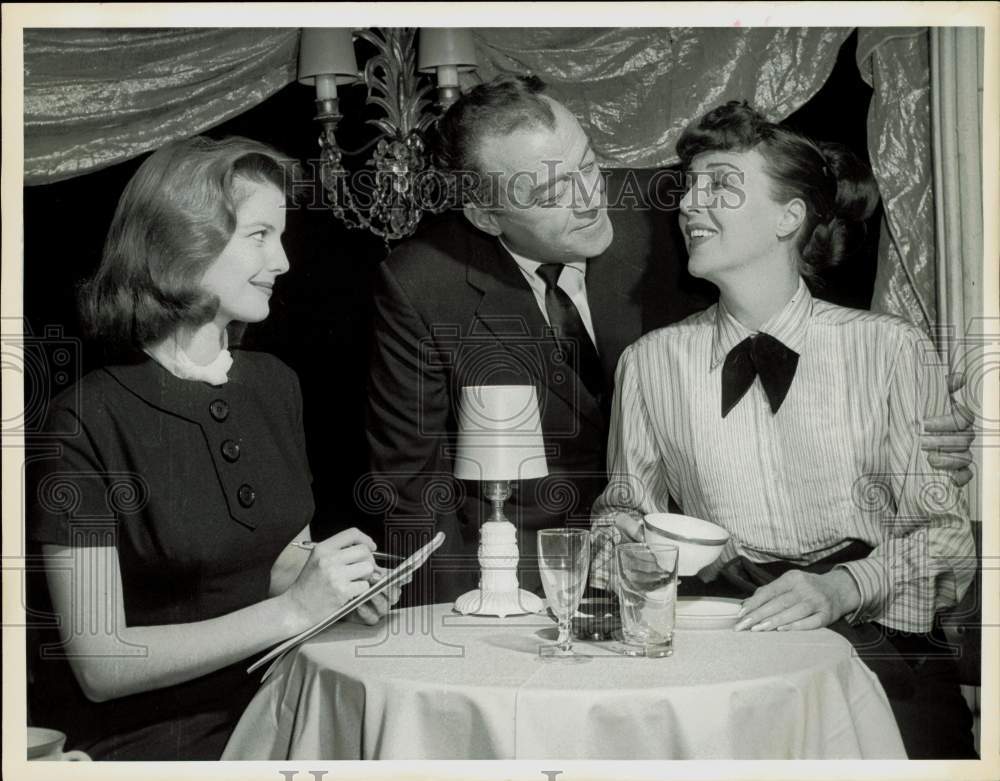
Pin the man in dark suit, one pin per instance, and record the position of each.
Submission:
(468, 303)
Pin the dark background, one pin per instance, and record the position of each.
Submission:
(321, 311)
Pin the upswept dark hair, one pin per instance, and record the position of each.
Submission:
(495, 108)
(836, 186)
(174, 218)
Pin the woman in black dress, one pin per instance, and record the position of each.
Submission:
(168, 519)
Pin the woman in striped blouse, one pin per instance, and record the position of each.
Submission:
(794, 423)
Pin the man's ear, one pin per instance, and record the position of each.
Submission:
(482, 219)
(791, 218)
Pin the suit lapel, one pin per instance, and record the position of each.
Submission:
(508, 310)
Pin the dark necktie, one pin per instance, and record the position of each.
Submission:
(759, 354)
(568, 325)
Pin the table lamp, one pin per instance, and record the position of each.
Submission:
(499, 440)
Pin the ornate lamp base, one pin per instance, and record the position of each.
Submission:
(498, 593)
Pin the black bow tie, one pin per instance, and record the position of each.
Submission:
(759, 354)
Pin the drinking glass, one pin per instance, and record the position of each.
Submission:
(647, 590)
(563, 563)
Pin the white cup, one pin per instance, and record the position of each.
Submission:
(700, 542)
(46, 745)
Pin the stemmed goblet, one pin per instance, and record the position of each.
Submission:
(563, 563)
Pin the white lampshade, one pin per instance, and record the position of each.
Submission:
(327, 51)
(499, 434)
(446, 46)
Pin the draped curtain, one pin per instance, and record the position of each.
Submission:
(93, 98)
(97, 97)
(895, 62)
(925, 144)
(634, 90)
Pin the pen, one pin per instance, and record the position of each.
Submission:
(386, 558)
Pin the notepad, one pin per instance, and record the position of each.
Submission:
(398, 576)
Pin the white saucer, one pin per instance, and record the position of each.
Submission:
(707, 612)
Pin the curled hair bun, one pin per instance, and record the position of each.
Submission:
(856, 197)
(857, 194)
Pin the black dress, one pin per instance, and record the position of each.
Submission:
(199, 487)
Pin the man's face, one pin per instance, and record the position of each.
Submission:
(551, 205)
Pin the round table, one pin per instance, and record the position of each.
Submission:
(430, 684)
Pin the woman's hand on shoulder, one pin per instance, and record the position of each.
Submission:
(338, 569)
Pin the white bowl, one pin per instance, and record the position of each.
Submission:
(699, 542)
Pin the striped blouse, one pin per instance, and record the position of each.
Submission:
(839, 461)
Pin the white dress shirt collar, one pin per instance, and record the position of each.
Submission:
(574, 284)
(787, 326)
(530, 267)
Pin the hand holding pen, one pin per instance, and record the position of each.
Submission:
(372, 611)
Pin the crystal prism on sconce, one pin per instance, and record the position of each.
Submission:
(401, 183)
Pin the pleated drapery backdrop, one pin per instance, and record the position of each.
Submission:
(634, 90)
(926, 152)
(98, 97)
(896, 63)
(93, 98)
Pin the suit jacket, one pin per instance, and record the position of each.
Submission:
(452, 310)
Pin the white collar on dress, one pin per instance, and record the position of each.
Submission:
(172, 357)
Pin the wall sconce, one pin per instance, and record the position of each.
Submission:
(404, 183)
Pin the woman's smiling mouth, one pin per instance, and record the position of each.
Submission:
(698, 234)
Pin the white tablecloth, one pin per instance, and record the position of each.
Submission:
(430, 684)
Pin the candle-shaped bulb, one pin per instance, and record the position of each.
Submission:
(326, 86)
(447, 75)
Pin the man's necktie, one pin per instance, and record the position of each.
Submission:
(568, 325)
(759, 354)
